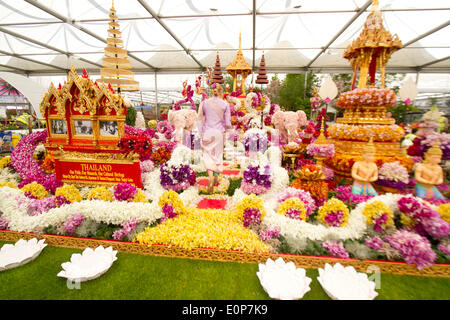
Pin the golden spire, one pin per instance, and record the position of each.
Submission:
(369, 147)
(321, 140)
(116, 66)
(239, 67)
(375, 5)
(435, 150)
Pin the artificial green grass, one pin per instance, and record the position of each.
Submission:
(135, 276)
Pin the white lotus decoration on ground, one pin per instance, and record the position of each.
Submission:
(344, 283)
(20, 253)
(283, 280)
(88, 265)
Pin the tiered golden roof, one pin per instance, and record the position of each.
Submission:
(116, 66)
(373, 48)
(239, 67)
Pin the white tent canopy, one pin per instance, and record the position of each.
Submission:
(47, 37)
(31, 90)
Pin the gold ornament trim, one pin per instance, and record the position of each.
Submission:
(438, 270)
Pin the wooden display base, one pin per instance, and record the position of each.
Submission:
(438, 270)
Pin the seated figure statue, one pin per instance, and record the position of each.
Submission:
(428, 174)
(364, 172)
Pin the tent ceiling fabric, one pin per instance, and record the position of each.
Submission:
(185, 34)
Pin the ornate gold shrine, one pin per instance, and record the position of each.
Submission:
(239, 69)
(367, 54)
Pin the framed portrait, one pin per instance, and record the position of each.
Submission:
(58, 126)
(83, 127)
(108, 129)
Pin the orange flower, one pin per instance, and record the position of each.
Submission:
(49, 163)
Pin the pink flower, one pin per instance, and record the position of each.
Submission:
(336, 249)
(252, 216)
(375, 243)
(73, 222)
(127, 228)
(124, 191)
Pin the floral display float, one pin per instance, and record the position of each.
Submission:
(429, 174)
(85, 122)
(365, 172)
(365, 106)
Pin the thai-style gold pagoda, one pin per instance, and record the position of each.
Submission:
(239, 69)
(371, 50)
(116, 66)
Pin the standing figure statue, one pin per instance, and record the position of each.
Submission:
(364, 172)
(428, 174)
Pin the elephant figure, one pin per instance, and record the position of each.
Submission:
(288, 123)
(184, 119)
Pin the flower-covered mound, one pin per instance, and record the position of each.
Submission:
(283, 281)
(379, 133)
(371, 97)
(88, 265)
(218, 229)
(20, 253)
(344, 283)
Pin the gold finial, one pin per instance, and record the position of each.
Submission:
(240, 47)
(321, 140)
(435, 150)
(375, 5)
(369, 147)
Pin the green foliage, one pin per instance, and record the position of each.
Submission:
(105, 231)
(131, 116)
(234, 184)
(400, 111)
(50, 230)
(227, 80)
(295, 93)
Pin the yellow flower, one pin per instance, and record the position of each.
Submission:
(100, 193)
(293, 203)
(7, 184)
(375, 210)
(444, 211)
(140, 197)
(37, 190)
(5, 161)
(406, 220)
(69, 192)
(171, 197)
(250, 201)
(330, 206)
(201, 228)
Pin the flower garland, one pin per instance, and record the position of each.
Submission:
(293, 208)
(379, 133)
(371, 97)
(14, 205)
(177, 177)
(70, 192)
(334, 213)
(379, 215)
(35, 190)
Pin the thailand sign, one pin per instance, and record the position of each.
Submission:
(94, 173)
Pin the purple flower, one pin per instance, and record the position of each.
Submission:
(253, 175)
(344, 193)
(127, 228)
(251, 216)
(73, 222)
(443, 247)
(304, 196)
(293, 214)
(336, 249)
(414, 248)
(256, 141)
(177, 177)
(168, 212)
(36, 207)
(335, 218)
(124, 191)
(4, 223)
(269, 233)
(375, 243)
